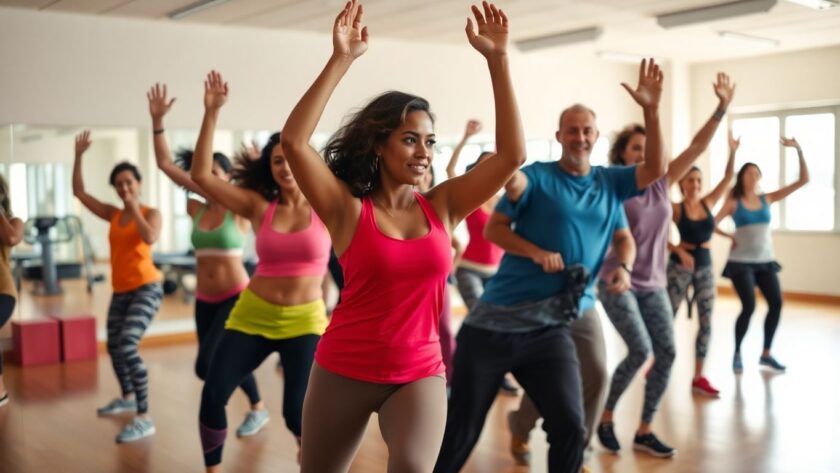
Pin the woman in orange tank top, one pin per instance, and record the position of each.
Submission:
(11, 232)
(136, 283)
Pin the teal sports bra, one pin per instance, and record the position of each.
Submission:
(226, 239)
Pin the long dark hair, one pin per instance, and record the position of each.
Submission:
(124, 166)
(5, 203)
(184, 159)
(351, 151)
(738, 190)
(478, 159)
(621, 141)
(255, 174)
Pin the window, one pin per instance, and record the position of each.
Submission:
(812, 208)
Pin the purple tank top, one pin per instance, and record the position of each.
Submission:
(649, 217)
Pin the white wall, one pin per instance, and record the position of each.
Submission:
(61, 69)
(781, 81)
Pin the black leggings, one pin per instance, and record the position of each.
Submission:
(210, 320)
(768, 282)
(237, 355)
(7, 307)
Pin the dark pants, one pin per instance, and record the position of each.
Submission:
(7, 307)
(237, 355)
(210, 320)
(768, 282)
(544, 362)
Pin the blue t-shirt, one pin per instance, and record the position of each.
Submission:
(575, 216)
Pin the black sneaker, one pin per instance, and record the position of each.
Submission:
(607, 437)
(650, 444)
(508, 388)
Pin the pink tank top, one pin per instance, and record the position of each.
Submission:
(303, 253)
(480, 250)
(385, 330)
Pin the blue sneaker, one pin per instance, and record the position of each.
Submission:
(606, 435)
(770, 362)
(137, 429)
(117, 406)
(253, 423)
(737, 364)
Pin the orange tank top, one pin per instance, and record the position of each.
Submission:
(131, 257)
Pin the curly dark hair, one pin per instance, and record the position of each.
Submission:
(5, 203)
(621, 141)
(184, 159)
(738, 190)
(351, 151)
(255, 174)
(124, 166)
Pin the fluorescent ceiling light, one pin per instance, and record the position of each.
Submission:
(817, 4)
(714, 12)
(748, 37)
(560, 39)
(194, 8)
(620, 57)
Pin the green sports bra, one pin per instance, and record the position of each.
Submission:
(224, 239)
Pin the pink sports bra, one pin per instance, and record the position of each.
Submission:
(303, 253)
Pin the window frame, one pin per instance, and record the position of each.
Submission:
(782, 114)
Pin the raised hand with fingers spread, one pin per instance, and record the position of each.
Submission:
(492, 36)
(350, 37)
(159, 104)
(215, 91)
(648, 91)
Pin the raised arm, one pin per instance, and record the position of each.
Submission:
(327, 194)
(803, 173)
(724, 90)
(725, 211)
(473, 127)
(159, 106)
(499, 231)
(11, 229)
(720, 189)
(244, 202)
(100, 209)
(647, 95)
(465, 193)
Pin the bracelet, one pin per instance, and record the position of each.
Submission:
(627, 268)
(719, 113)
(159, 131)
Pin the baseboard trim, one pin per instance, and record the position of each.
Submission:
(791, 296)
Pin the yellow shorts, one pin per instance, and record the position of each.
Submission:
(256, 316)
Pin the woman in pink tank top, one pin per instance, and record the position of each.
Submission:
(282, 309)
(380, 352)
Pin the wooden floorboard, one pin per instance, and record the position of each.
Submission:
(761, 423)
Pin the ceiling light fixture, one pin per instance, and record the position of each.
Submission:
(714, 12)
(748, 37)
(560, 39)
(817, 4)
(194, 8)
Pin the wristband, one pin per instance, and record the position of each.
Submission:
(627, 268)
(159, 131)
(719, 113)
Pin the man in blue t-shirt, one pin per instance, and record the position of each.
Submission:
(554, 214)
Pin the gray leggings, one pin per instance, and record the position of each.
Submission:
(645, 321)
(412, 418)
(702, 279)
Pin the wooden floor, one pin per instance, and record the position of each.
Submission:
(761, 423)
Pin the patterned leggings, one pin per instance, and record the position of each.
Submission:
(703, 282)
(129, 316)
(646, 323)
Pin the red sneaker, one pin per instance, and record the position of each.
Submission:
(702, 386)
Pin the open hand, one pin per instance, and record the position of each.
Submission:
(649, 90)
(350, 37)
(789, 142)
(158, 104)
(724, 90)
(492, 36)
(733, 143)
(82, 142)
(215, 91)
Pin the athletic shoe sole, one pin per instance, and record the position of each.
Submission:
(147, 433)
(650, 451)
(115, 411)
(255, 431)
(771, 368)
(703, 392)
